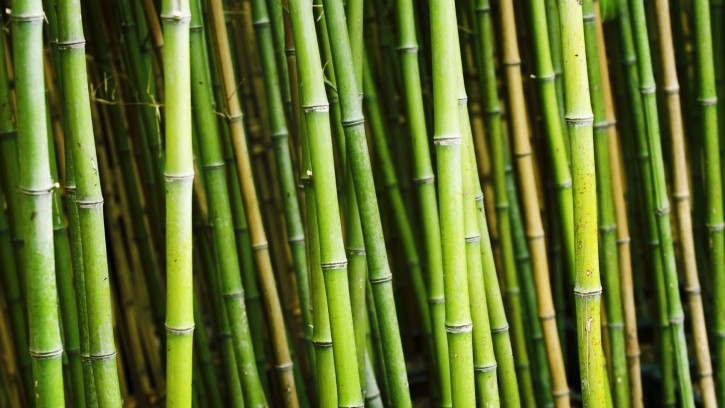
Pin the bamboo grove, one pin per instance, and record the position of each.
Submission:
(348, 203)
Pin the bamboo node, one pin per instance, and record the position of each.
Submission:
(213, 166)
(179, 178)
(513, 291)
(90, 203)
(587, 293)
(322, 344)
(624, 241)
(463, 100)
(544, 78)
(176, 16)
(693, 290)
(283, 367)
(671, 89)
(323, 107)
(604, 124)
(588, 18)
(548, 316)
(447, 140)
(512, 63)
(328, 266)
(28, 18)
(196, 28)
(607, 228)
(716, 227)
(677, 319)
(563, 185)
(424, 180)
(647, 89)
(261, 23)
(260, 246)
(67, 45)
(616, 326)
(436, 300)
(459, 328)
(720, 333)
(708, 101)
(179, 332)
(486, 368)
(662, 211)
(629, 61)
(356, 252)
(561, 394)
(233, 295)
(535, 235)
(579, 120)
(382, 279)
(681, 196)
(484, 9)
(500, 329)
(408, 48)
(46, 355)
(280, 134)
(502, 206)
(36, 191)
(473, 239)
(492, 111)
(353, 122)
(101, 357)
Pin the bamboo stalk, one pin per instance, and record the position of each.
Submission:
(35, 188)
(270, 296)
(534, 228)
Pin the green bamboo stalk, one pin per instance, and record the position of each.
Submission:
(322, 336)
(359, 163)
(278, 128)
(11, 280)
(35, 187)
(707, 96)
(447, 138)
(424, 181)
(534, 228)
(89, 202)
(660, 203)
(333, 263)
(380, 139)
(607, 237)
(623, 238)
(484, 360)
(179, 176)
(212, 163)
(588, 287)
(260, 245)
(557, 148)
(681, 192)
(629, 60)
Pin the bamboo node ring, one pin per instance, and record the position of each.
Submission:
(283, 367)
(102, 357)
(563, 185)
(560, 394)
(408, 48)
(353, 122)
(716, 227)
(720, 333)
(382, 279)
(447, 141)
(180, 332)
(500, 329)
(587, 293)
(8, 134)
(459, 328)
(329, 266)
(693, 290)
(213, 166)
(513, 291)
(179, 178)
(616, 326)
(579, 120)
(233, 295)
(36, 191)
(502, 206)
(66, 45)
(535, 235)
(473, 239)
(484, 9)
(588, 18)
(279, 135)
(28, 18)
(356, 252)
(424, 180)
(647, 90)
(492, 111)
(708, 101)
(176, 17)
(46, 355)
(514, 63)
(662, 211)
(671, 89)
(544, 78)
(486, 368)
(608, 228)
(323, 107)
(604, 124)
(677, 319)
(436, 301)
(548, 316)
(261, 23)
(90, 203)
